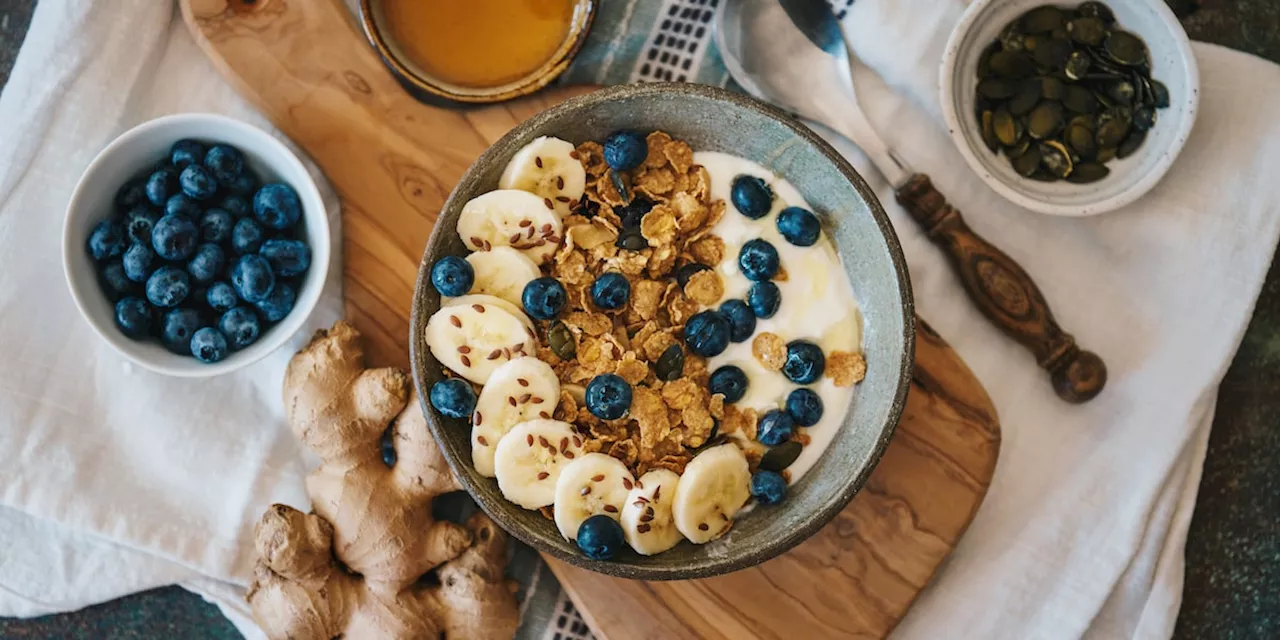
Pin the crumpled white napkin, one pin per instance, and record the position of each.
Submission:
(1083, 530)
(115, 479)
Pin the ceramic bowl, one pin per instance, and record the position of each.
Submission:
(145, 146)
(422, 85)
(711, 119)
(1172, 63)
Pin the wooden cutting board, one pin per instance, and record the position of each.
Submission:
(393, 161)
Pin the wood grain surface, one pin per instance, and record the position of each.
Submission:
(393, 162)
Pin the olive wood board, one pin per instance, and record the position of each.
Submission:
(393, 162)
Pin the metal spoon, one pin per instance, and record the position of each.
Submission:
(794, 53)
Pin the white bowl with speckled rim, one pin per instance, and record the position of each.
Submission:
(1172, 63)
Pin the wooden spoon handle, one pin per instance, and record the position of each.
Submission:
(1005, 293)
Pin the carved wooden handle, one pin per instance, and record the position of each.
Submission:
(1005, 293)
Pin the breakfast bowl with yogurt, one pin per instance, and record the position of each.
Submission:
(662, 332)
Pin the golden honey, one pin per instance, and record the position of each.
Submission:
(479, 43)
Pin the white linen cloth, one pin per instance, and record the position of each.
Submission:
(112, 483)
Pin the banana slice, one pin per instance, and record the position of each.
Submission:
(530, 458)
(595, 483)
(474, 339)
(502, 272)
(487, 300)
(646, 519)
(714, 486)
(511, 218)
(519, 390)
(547, 168)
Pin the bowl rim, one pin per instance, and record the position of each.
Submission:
(539, 78)
(283, 331)
(809, 523)
(946, 96)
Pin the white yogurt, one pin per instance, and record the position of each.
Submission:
(817, 302)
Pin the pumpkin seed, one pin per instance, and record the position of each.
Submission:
(1026, 99)
(1051, 88)
(1131, 144)
(998, 88)
(1087, 30)
(1027, 163)
(780, 457)
(1052, 53)
(1144, 118)
(1160, 94)
(670, 365)
(1077, 65)
(1042, 175)
(1041, 19)
(1088, 172)
(984, 60)
(632, 240)
(1012, 64)
(1079, 99)
(1106, 155)
(1126, 48)
(989, 132)
(1012, 38)
(561, 341)
(1121, 91)
(1045, 120)
(1055, 158)
(1018, 149)
(1113, 126)
(1079, 137)
(1007, 128)
(1096, 10)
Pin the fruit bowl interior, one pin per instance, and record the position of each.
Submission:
(132, 154)
(711, 119)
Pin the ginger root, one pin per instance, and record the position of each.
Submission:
(354, 567)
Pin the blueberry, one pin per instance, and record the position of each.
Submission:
(707, 333)
(453, 397)
(115, 281)
(168, 287)
(670, 365)
(764, 298)
(181, 204)
(177, 328)
(244, 185)
(226, 163)
(768, 487)
(450, 275)
(139, 222)
(687, 271)
(252, 277)
(207, 263)
(290, 258)
(278, 303)
(174, 237)
(625, 150)
(139, 262)
(805, 407)
(805, 362)
(600, 537)
(134, 317)
(799, 226)
(633, 213)
(730, 381)
(162, 184)
(608, 396)
(742, 321)
(774, 428)
(611, 291)
(131, 194)
(216, 226)
(751, 196)
(246, 236)
(388, 446)
(544, 298)
(209, 345)
(198, 182)
(276, 205)
(107, 240)
(185, 152)
(758, 260)
(221, 297)
(236, 205)
(241, 327)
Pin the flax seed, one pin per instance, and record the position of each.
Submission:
(626, 482)
(546, 228)
(525, 223)
(563, 198)
(574, 155)
(524, 399)
(641, 485)
(703, 527)
(598, 477)
(544, 415)
(478, 307)
(610, 508)
(511, 401)
(477, 241)
(482, 441)
(547, 201)
(564, 443)
(543, 475)
(515, 237)
(493, 355)
(657, 492)
(464, 349)
(646, 518)
(453, 320)
(477, 418)
(522, 382)
(577, 442)
(585, 490)
(538, 161)
(529, 439)
(642, 528)
(560, 182)
(466, 362)
(543, 441)
(536, 400)
(570, 455)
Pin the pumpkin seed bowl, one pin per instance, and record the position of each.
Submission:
(1071, 108)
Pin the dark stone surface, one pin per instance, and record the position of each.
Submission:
(1233, 549)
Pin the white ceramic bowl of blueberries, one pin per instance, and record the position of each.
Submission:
(196, 244)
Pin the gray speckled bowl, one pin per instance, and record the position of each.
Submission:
(714, 120)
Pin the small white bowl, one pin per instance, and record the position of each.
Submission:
(1172, 63)
(147, 145)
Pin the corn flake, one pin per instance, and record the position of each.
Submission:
(770, 350)
(679, 154)
(845, 368)
(659, 226)
(705, 287)
(708, 250)
(657, 143)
